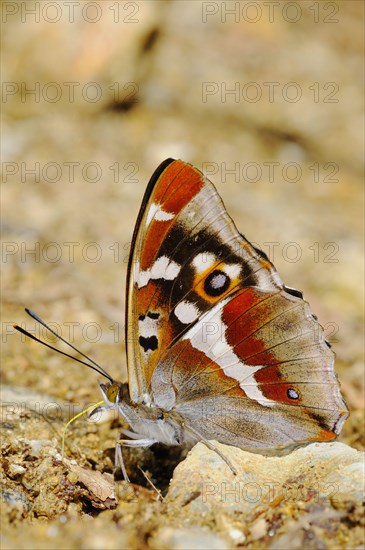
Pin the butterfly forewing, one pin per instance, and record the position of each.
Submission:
(187, 255)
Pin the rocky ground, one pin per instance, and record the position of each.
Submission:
(116, 90)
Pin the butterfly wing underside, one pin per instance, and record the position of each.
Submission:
(182, 236)
(213, 332)
(254, 372)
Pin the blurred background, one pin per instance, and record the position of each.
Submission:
(265, 98)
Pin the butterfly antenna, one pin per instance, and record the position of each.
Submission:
(95, 366)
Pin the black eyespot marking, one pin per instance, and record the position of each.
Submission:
(141, 318)
(148, 343)
(153, 315)
(216, 283)
(292, 393)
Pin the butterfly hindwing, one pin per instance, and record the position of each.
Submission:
(254, 372)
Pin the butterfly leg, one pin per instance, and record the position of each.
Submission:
(137, 442)
(118, 461)
(132, 435)
(212, 447)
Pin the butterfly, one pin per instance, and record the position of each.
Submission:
(218, 348)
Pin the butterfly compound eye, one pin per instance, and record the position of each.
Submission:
(112, 392)
(216, 283)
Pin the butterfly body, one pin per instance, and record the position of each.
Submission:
(217, 346)
(149, 423)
